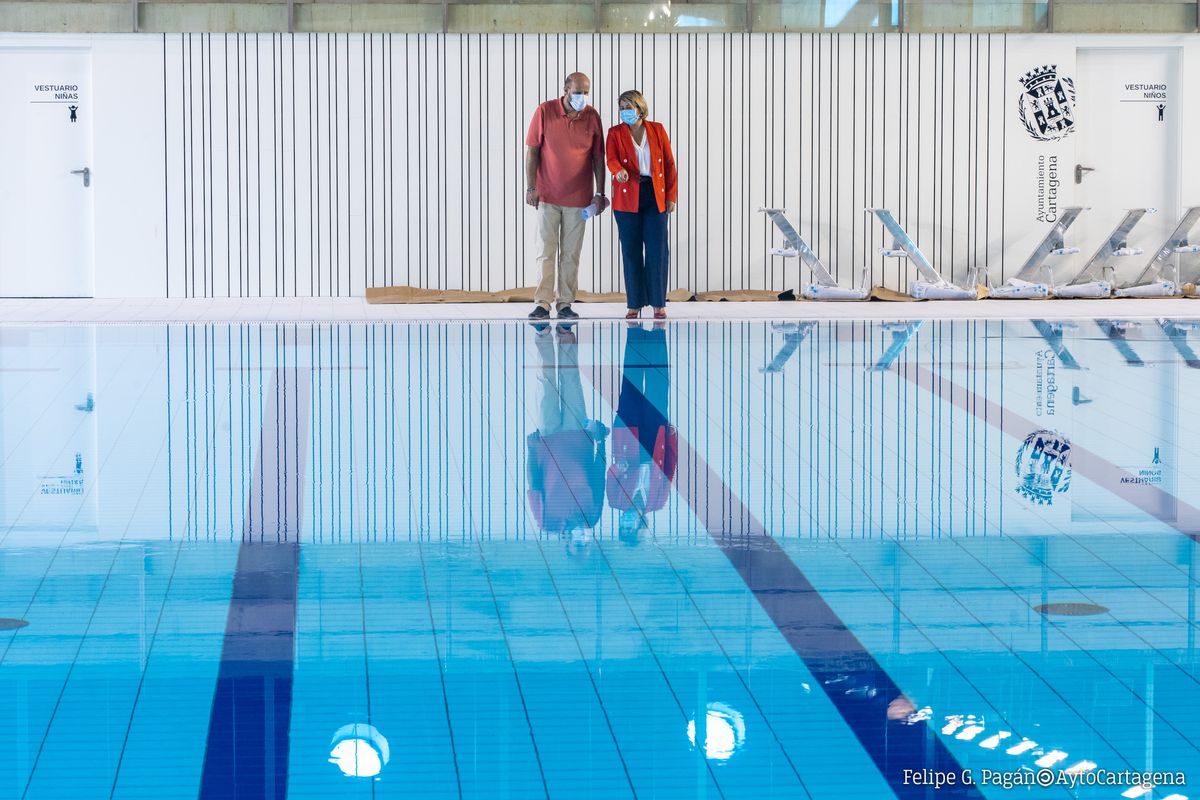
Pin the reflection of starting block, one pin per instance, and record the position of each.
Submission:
(1177, 335)
(1025, 284)
(826, 287)
(1117, 332)
(1153, 282)
(1096, 277)
(901, 332)
(931, 285)
(1052, 332)
(794, 333)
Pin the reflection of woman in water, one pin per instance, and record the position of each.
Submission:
(644, 442)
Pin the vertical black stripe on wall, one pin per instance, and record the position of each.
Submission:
(166, 185)
(191, 175)
(185, 55)
(209, 208)
(275, 194)
(987, 170)
(329, 184)
(291, 74)
(238, 40)
(949, 268)
(368, 161)
(335, 178)
(202, 41)
(228, 187)
(1003, 167)
(258, 263)
(314, 174)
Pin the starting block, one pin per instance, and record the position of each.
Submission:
(931, 285)
(826, 287)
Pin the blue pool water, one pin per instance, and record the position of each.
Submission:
(699, 560)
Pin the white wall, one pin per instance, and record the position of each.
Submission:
(324, 163)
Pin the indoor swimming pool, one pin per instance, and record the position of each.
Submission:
(696, 559)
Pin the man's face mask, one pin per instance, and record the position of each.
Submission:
(578, 101)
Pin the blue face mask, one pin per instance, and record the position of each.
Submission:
(578, 101)
(629, 116)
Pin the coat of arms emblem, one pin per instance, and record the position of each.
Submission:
(1047, 106)
(1043, 466)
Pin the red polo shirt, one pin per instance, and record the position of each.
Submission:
(565, 175)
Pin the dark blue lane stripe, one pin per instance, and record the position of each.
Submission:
(247, 751)
(854, 681)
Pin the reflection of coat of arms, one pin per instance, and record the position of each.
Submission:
(1043, 466)
(1047, 106)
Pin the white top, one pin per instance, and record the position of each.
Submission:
(643, 152)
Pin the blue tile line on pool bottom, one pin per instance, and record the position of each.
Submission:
(857, 685)
(248, 734)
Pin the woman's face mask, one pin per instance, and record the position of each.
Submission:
(629, 116)
(578, 101)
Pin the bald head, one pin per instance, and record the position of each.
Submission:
(577, 82)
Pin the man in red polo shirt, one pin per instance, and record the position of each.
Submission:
(564, 156)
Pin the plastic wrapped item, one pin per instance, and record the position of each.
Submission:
(1092, 289)
(925, 290)
(813, 291)
(1153, 289)
(1017, 289)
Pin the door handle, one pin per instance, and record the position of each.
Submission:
(86, 173)
(1079, 170)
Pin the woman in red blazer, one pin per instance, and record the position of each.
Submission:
(644, 193)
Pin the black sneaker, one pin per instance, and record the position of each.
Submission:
(566, 312)
(539, 312)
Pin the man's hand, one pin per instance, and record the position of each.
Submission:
(532, 197)
(622, 176)
(670, 206)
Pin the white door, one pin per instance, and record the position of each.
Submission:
(1127, 120)
(46, 211)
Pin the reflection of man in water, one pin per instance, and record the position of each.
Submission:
(644, 443)
(566, 453)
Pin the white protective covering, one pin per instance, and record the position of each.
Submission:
(1017, 289)
(813, 291)
(924, 290)
(1154, 289)
(1090, 289)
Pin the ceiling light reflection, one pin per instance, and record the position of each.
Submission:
(359, 751)
(724, 731)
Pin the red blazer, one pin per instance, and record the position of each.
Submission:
(622, 155)
(627, 452)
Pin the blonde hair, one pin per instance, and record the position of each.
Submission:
(635, 99)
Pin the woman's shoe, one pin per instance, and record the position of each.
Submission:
(633, 313)
(660, 313)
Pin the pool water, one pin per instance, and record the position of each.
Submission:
(801, 559)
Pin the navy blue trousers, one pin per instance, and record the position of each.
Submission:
(645, 250)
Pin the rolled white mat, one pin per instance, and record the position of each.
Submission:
(1016, 289)
(814, 291)
(1156, 289)
(924, 290)
(1090, 289)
